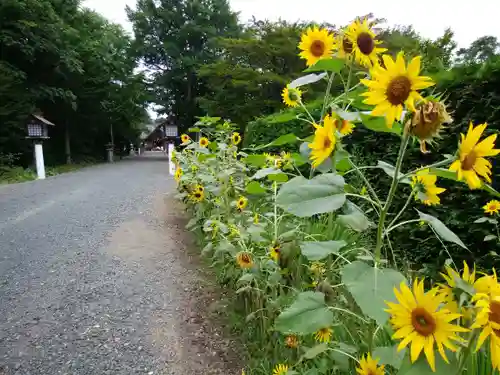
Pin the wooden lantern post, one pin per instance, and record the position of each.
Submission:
(37, 129)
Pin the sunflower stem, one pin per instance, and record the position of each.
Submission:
(391, 228)
(308, 113)
(435, 165)
(402, 210)
(327, 94)
(390, 196)
(275, 191)
(467, 351)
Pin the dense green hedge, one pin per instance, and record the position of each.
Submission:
(473, 93)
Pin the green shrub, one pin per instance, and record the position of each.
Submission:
(264, 130)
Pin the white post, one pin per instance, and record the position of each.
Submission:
(171, 165)
(40, 166)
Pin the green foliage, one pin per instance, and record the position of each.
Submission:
(265, 130)
(76, 68)
(175, 38)
(307, 314)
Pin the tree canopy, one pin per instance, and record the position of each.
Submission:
(174, 38)
(76, 68)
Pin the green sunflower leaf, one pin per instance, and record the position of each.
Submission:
(326, 65)
(253, 187)
(261, 173)
(371, 288)
(256, 160)
(441, 230)
(389, 356)
(319, 250)
(390, 170)
(306, 80)
(303, 197)
(421, 366)
(315, 351)
(354, 218)
(307, 314)
(280, 141)
(378, 124)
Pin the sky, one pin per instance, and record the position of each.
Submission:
(468, 19)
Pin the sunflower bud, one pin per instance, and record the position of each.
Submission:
(327, 290)
(427, 122)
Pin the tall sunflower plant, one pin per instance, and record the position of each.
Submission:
(410, 325)
(309, 249)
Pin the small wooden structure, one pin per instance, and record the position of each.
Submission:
(37, 128)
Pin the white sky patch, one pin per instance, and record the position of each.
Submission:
(469, 20)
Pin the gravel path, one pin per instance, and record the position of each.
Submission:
(95, 277)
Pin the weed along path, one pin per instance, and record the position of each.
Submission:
(96, 277)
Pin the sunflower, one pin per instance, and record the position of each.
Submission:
(364, 44)
(344, 45)
(395, 86)
(324, 335)
(316, 44)
(185, 138)
(256, 218)
(369, 366)
(324, 141)
(274, 251)
(448, 290)
(344, 127)
(292, 341)
(428, 121)
(318, 268)
(270, 159)
(472, 163)
(492, 207)
(197, 196)
(178, 174)
(488, 320)
(236, 138)
(424, 185)
(204, 142)
(199, 189)
(280, 369)
(452, 276)
(420, 322)
(241, 203)
(244, 259)
(291, 96)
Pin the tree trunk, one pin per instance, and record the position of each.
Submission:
(67, 145)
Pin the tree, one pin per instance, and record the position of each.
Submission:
(76, 68)
(173, 37)
(251, 71)
(479, 51)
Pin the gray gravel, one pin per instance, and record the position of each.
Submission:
(95, 277)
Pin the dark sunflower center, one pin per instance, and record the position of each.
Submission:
(197, 195)
(317, 48)
(423, 322)
(469, 161)
(494, 315)
(366, 44)
(398, 90)
(293, 95)
(327, 143)
(347, 45)
(245, 258)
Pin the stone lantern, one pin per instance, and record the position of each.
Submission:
(37, 128)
